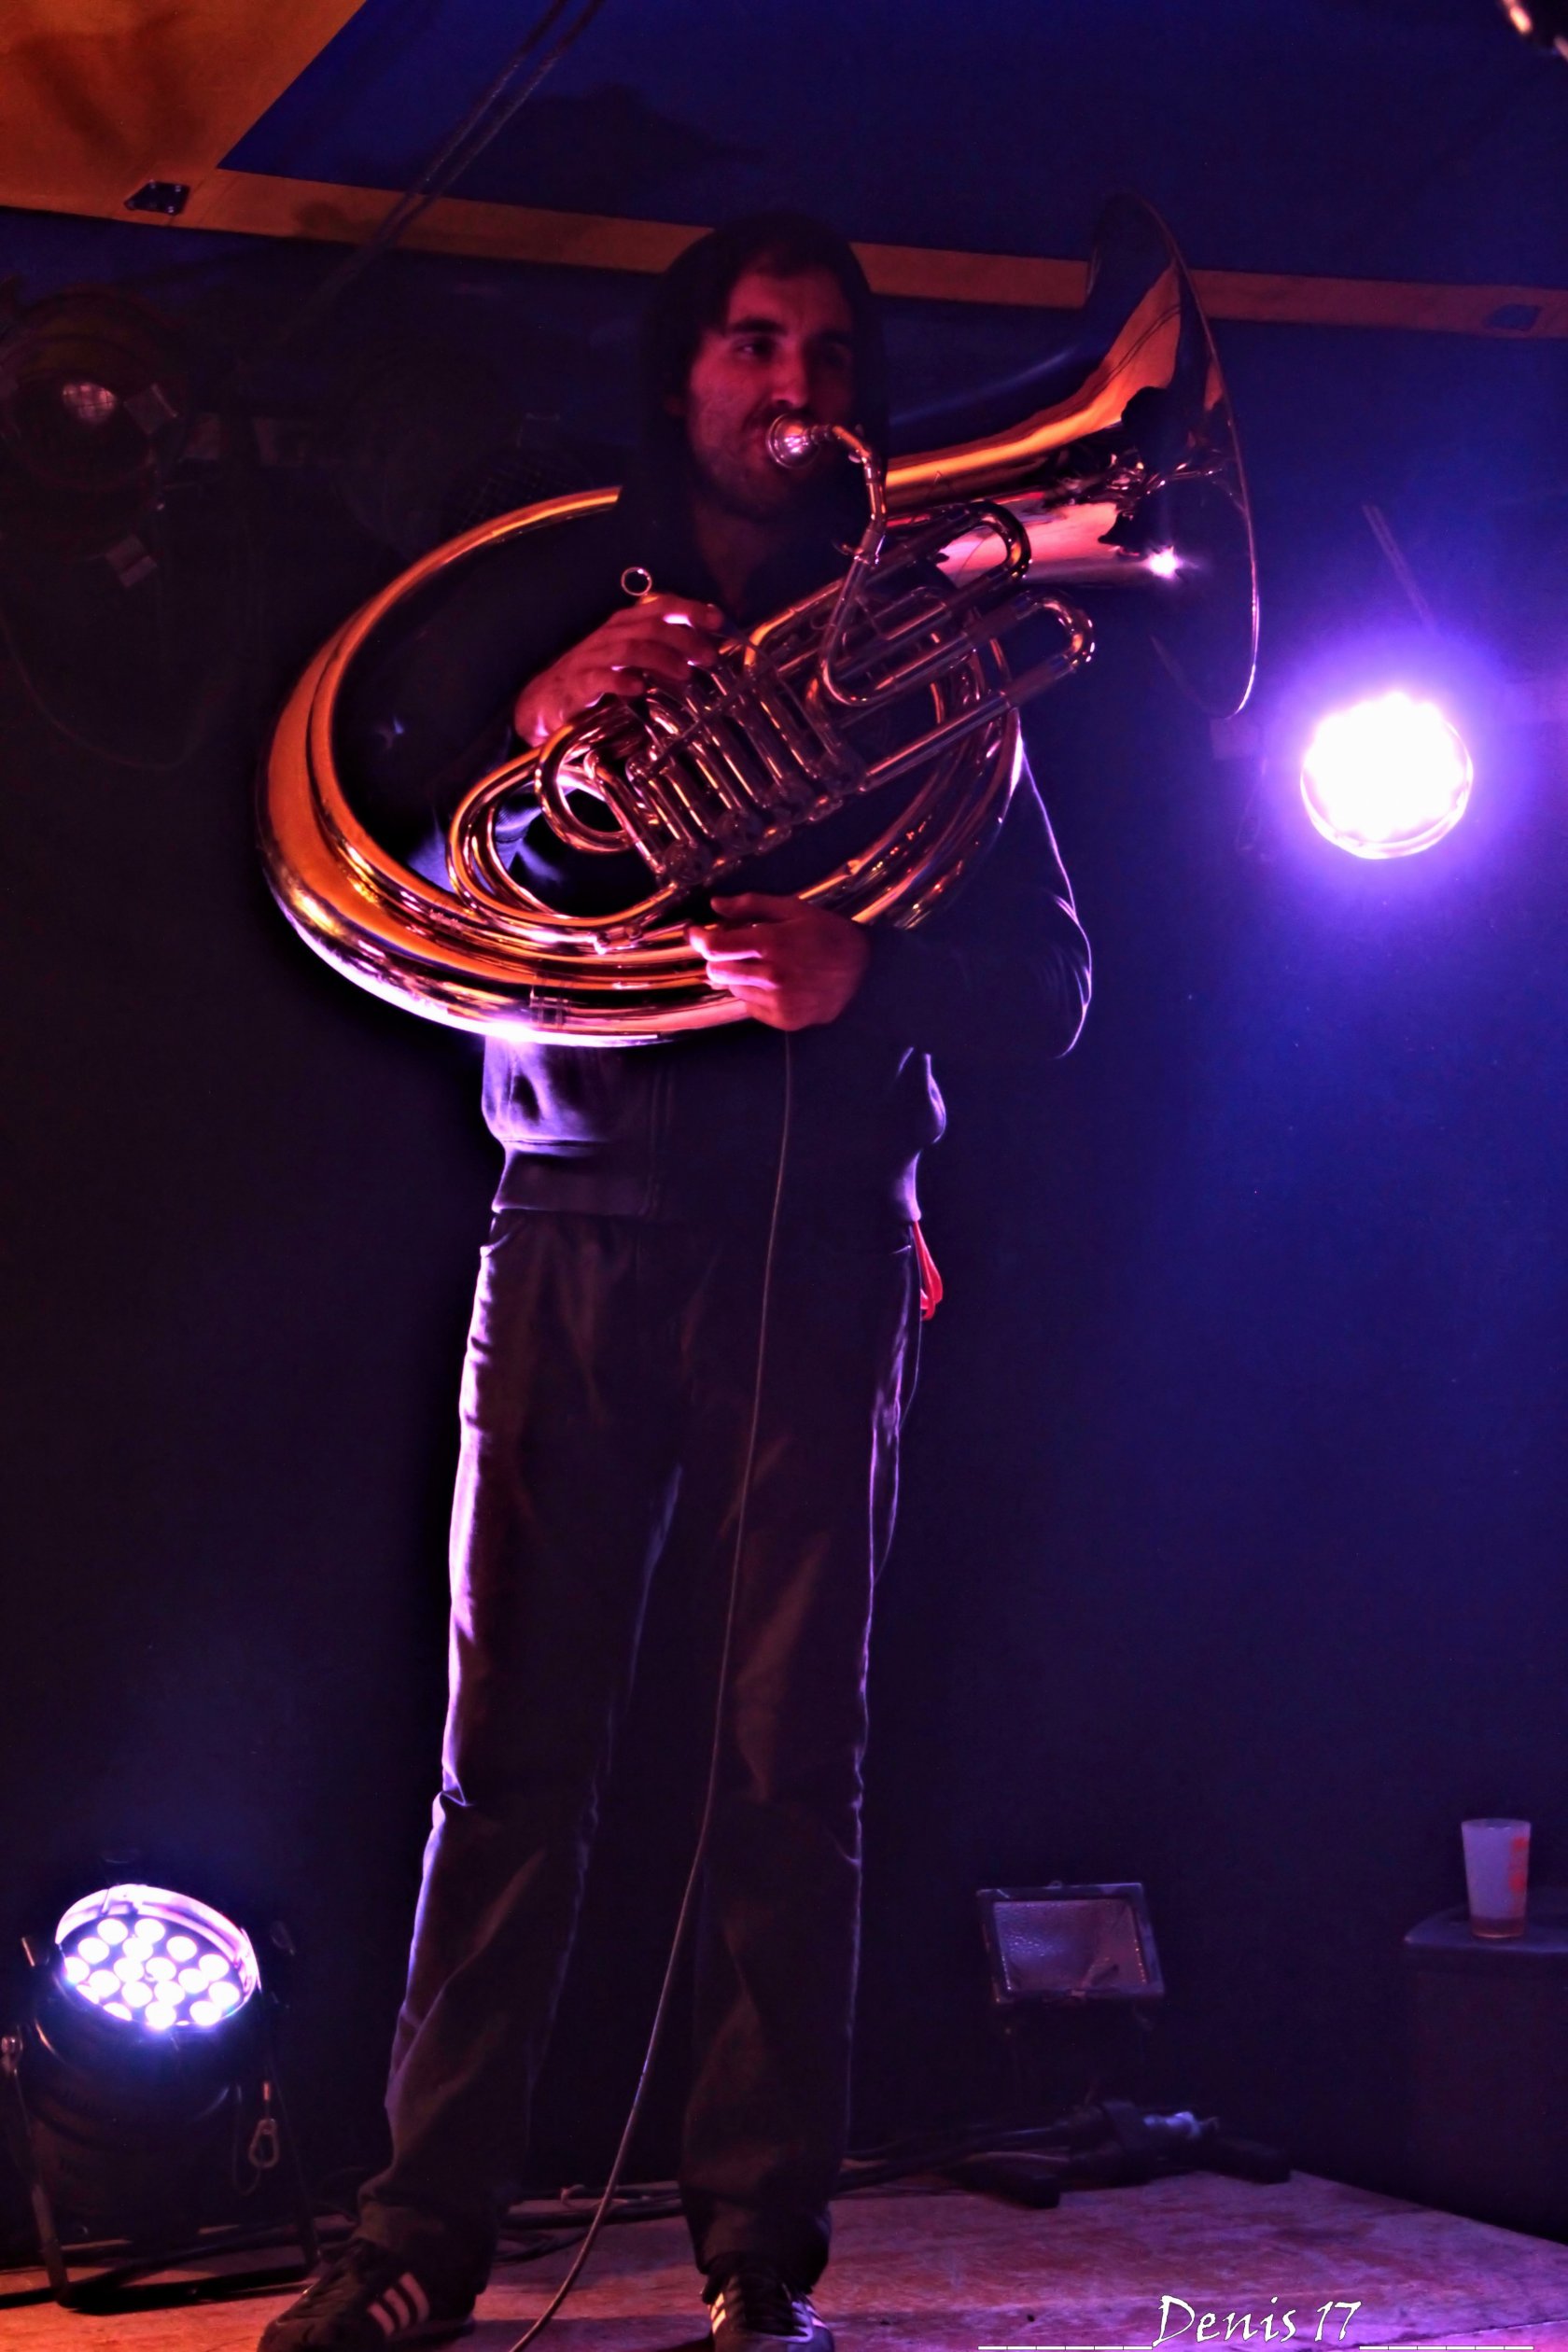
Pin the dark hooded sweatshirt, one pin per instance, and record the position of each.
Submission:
(688, 1128)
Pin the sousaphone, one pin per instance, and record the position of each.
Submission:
(1112, 467)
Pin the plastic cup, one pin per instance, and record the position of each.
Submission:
(1497, 1875)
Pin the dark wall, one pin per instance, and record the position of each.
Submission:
(1233, 1514)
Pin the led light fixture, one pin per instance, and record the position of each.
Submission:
(1387, 777)
(139, 2086)
(155, 1960)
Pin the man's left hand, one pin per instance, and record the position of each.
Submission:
(791, 965)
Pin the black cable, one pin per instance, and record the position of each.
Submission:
(462, 147)
(716, 1752)
(104, 2286)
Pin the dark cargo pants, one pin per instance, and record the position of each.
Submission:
(609, 1369)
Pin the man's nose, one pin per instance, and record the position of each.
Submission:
(792, 376)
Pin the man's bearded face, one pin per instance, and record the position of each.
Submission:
(785, 347)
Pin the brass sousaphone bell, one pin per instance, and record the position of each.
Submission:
(1113, 466)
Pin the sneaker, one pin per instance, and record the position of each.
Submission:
(755, 2311)
(365, 2297)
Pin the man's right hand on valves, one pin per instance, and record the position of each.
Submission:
(657, 641)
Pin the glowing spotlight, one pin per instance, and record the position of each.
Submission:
(130, 1921)
(1386, 778)
(139, 2089)
(1164, 563)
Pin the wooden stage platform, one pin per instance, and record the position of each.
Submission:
(935, 2269)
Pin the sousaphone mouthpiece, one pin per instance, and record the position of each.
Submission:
(793, 440)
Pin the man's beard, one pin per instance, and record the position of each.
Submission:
(789, 499)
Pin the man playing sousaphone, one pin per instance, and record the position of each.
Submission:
(695, 1323)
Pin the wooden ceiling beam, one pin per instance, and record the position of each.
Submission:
(255, 203)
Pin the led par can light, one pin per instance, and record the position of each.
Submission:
(160, 1961)
(141, 2049)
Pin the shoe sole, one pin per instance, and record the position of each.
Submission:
(822, 2342)
(428, 2331)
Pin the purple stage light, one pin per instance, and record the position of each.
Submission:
(138, 2106)
(1386, 777)
(205, 1972)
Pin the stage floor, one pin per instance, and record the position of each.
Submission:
(939, 2271)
